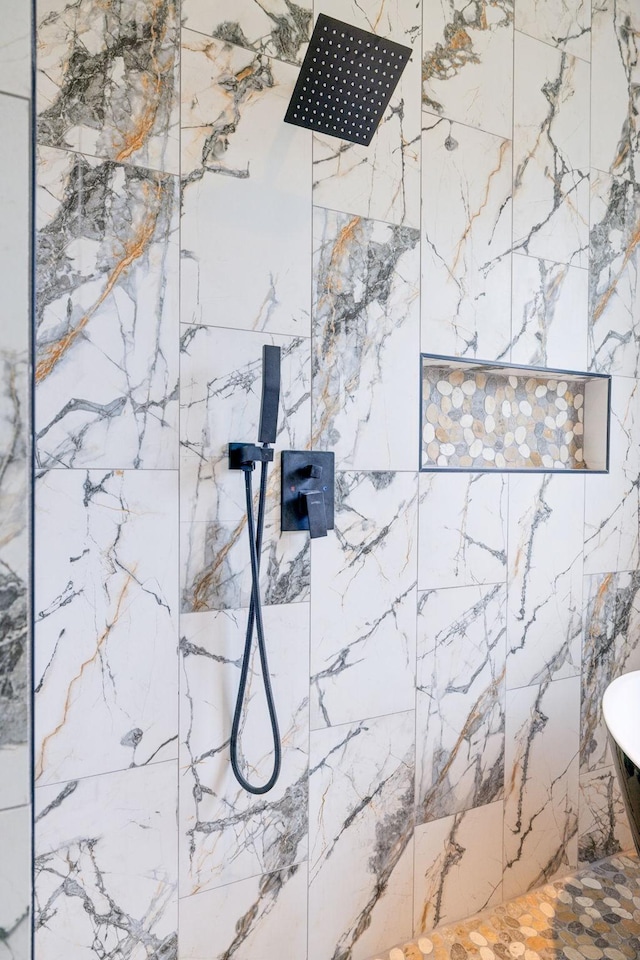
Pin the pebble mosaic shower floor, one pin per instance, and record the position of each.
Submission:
(592, 915)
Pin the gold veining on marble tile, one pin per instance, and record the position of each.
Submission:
(133, 250)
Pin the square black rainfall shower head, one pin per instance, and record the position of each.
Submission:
(346, 81)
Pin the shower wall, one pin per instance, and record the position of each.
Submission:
(15, 322)
(438, 659)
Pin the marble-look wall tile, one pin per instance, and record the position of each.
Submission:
(550, 153)
(363, 601)
(15, 429)
(612, 622)
(105, 864)
(604, 828)
(246, 192)
(262, 917)
(221, 383)
(14, 446)
(15, 884)
(614, 285)
(565, 24)
(463, 530)
(458, 867)
(611, 501)
(381, 181)
(544, 621)
(15, 226)
(15, 769)
(14, 466)
(365, 339)
(277, 28)
(361, 837)
(541, 808)
(467, 66)
(460, 699)
(107, 79)
(106, 317)
(14, 579)
(106, 629)
(15, 49)
(615, 131)
(466, 225)
(226, 833)
(549, 325)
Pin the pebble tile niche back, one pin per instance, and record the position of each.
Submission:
(483, 416)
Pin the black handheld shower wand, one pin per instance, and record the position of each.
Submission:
(244, 457)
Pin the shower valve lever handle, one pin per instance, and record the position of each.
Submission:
(313, 502)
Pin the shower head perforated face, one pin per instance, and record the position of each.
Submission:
(346, 81)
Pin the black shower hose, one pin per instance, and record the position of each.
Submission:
(255, 617)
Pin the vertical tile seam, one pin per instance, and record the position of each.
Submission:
(31, 473)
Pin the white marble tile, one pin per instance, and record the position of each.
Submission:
(15, 884)
(544, 610)
(366, 337)
(614, 325)
(612, 621)
(604, 828)
(460, 699)
(15, 326)
(467, 67)
(550, 153)
(226, 833)
(15, 769)
(276, 28)
(105, 861)
(220, 394)
(14, 434)
(106, 621)
(363, 601)
(107, 81)
(541, 807)
(14, 563)
(565, 24)
(15, 190)
(611, 501)
(466, 229)
(361, 837)
(256, 919)
(246, 200)
(463, 530)
(550, 311)
(14, 476)
(15, 48)
(615, 89)
(381, 181)
(106, 320)
(458, 867)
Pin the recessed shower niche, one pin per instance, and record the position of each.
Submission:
(484, 416)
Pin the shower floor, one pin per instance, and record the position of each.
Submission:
(589, 915)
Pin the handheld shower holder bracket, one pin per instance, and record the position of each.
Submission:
(244, 456)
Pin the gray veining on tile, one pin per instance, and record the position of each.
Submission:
(107, 79)
(106, 318)
(460, 700)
